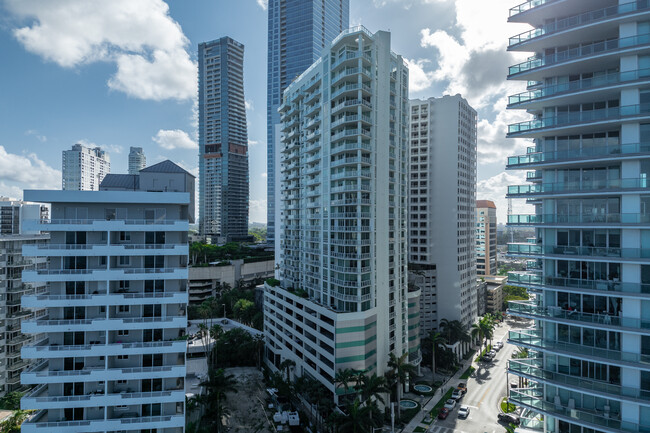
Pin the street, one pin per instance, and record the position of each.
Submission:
(485, 389)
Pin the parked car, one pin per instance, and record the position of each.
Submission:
(498, 346)
(462, 387)
(450, 404)
(463, 412)
(457, 394)
(443, 413)
(509, 418)
(492, 353)
(487, 358)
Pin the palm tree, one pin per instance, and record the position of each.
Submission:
(358, 419)
(391, 381)
(444, 327)
(259, 348)
(436, 339)
(216, 386)
(216, 331)
(344, 377)
(373, 387)
(12, 424)
(402, 368)
(478, 333)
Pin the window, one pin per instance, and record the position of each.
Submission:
(122, 356)
(124, 261)
(124, 308)
(123, 332)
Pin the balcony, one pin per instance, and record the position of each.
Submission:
(40, 423)
(557, 314)
(115, 324)
(46, 350)
(628, 254)
(598, 81)
(604, 186)
(114, 274)
(613, 288)
(583, 52)
(48, 250)
(575, 21)
(54, 225)
(594, 219)
(102, 299)
(533, 369)
(532, 399)
(582, 155)
(570, 120)
(530, 4)
(41, 374)
(532, 339)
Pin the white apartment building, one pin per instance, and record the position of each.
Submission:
(12, 288)
(342, 300)
(83, 168)
(588, 91)
(116, 306)
(442, 200)
(137, 160)
(486, 238)
(13, 212)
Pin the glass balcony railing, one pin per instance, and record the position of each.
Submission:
(580, 117)
(550, 219)
(529, 309)
(537, 249)
(586, 50)
(534, 368)
(532, 399)
(531, 279)
(580, 20)
(528, 5)
(533, 338)
(598, 80)
(588, 185)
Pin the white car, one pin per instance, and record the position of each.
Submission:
(457, 394)
(493, 353)
(463, 412)
(450, 404)
(498, 346)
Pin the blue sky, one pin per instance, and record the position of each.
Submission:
(122, 73)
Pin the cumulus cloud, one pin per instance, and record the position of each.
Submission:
(35, 133)
(174, 139)
(249, 105)
(495, 189)
(252, 143)
(147, 46)
(25, 171)
(257, 210)
(264, 4)
(418, 78)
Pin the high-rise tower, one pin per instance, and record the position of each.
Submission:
(298, 31)
(137, 160)
(223, 142)
(343, 263)
(84, 168)
(588, 91)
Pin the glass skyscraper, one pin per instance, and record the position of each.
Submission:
(223, 141)
(588, 90)
(298, 32)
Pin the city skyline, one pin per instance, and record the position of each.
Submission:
(103, 106)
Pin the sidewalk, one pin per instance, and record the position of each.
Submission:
(455, 379)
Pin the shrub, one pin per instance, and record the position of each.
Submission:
(272, 282)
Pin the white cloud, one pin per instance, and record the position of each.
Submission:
(264, 175)
(174, 139)
(145, 43)
(495, 189)
(27, 171)
(257, 210)
(418, 78)
(252, 143)
(113, 148)
(249, 104)
(38, 136)
(264, 4)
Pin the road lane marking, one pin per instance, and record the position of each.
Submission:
(483, 398)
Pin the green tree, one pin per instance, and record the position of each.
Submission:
(357, 420)
(287, 364)
(343, 377)
(372, 387)
(217, 385)
(244, 310)
(11, 401)
(435, 339)
(402, 369)
(13, 423)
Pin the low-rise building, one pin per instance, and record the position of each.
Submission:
(495, 293)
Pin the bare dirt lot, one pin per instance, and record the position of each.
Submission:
(247, 406)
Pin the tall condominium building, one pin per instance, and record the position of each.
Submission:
(486, 238)
(223, 142)
(343, 298)
(442, 228)
(589, 263)
(137, 160)
(14, 212)
(298, 31)
(12, 289)
(84, 168)
(111, 359)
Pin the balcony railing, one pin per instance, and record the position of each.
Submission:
(575, 283)
(523, 308)
(534, 339)
(583, 51)
(583, 153)
(534, 369)
(551, 219)
(603, 114)
(579, 416)
(530, 4)
(580, 20)
(600, 80)
(536, 249)
(604, 185)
